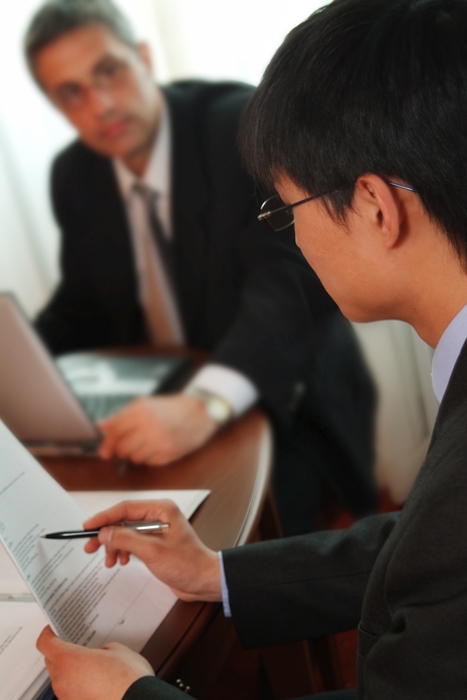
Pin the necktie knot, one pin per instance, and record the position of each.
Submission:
(148, 195)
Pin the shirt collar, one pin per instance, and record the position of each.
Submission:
(157, 174)
(447, 351)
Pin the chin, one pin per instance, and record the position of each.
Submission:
(361, 315)
(120, 146)
(351, 304)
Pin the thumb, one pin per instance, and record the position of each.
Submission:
(49, 644)
(122, 538)
(45, 640)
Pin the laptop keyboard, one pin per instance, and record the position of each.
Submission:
(99, 406)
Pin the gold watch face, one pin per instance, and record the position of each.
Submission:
(218, 409)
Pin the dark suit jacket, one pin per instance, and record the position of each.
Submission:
(401, 577)
(245, 294)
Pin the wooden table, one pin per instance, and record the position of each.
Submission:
(191, 642)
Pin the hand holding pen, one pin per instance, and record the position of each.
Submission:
(152, 527)
(178, 558)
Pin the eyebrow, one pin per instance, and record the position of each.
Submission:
(105, 58)
(95, 68)
(66, 85)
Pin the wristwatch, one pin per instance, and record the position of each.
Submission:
(217, 408)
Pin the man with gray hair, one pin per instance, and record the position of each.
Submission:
(160, 242)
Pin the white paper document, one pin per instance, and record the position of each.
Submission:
(85, 602)
(20, 662)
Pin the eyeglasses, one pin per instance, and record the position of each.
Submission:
(279, 216)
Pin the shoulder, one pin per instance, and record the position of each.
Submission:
(76, 161)
(76, 169)
(76, 154)
(211, 99)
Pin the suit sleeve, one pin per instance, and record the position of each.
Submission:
(300, 587)
(151, 688)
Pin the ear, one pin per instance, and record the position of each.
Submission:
(144, 53)
(382, 207)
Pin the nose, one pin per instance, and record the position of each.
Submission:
(100, 101)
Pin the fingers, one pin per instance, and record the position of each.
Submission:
(140, 446)
(92, 674)
(124, 558)
(111, 557)
(50, 645)
(127, 430)
(92, 545)
(147, 454)
(113, 429)
(125, 447)
(132, 510)
(163, 510)
(124, 540)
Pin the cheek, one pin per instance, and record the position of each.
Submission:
(136, 94)
(83, 124)
(309, 238)
(303, 240)
(324, 255)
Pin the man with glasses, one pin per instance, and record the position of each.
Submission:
(160, 242)
(359, 125)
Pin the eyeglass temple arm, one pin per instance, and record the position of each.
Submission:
(267, 214)
(402, 187)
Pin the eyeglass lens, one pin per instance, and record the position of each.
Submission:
(278, 220)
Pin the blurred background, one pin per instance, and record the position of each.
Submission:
(213, 40)
(207, 39)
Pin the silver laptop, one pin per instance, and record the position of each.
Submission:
(52, 405)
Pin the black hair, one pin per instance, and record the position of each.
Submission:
(57, 17)
(369, 86)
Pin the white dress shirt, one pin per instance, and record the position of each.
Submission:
(239, 392)
(447, 351)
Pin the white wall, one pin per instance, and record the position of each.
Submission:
(401, 366)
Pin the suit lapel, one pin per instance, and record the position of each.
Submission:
(189, 204)
(110, 241)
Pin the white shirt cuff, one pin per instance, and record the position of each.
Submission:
(225, 590)
(232, 386)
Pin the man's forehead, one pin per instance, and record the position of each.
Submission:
(74, 55)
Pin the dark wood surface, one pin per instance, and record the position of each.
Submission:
(235, 466)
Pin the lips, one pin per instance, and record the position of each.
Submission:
(115, 129)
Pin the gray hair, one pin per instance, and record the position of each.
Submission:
(57, 17)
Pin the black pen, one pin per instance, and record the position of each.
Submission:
(151, 526)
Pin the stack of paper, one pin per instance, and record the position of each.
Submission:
(85, 602)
